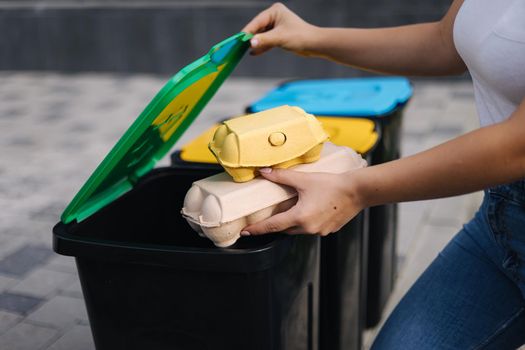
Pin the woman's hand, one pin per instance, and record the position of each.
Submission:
(277, 26)
(326, 203)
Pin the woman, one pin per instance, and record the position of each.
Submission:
(473, 295)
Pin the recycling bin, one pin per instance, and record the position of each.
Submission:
(150, 282)
(343, 254)
(381, 99)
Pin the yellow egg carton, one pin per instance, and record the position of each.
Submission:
(280, 137)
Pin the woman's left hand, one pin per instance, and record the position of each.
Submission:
(325, 204)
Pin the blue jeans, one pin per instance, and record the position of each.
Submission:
(472, 296)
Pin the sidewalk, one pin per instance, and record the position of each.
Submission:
(55, 129)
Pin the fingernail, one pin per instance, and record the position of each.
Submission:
(254, 42)
(265, 170)
(245, 233)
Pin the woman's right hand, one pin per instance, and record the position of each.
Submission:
(278, 26)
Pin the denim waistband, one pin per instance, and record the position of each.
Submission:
(514, 190)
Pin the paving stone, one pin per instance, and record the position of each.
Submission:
(411, 218)
(50, 212)
(412, 145)
(473, 203)
(33, 231)
(42, 282)
(19, 303)
(60, 312)
(78, 338)
(8, 320)
(8, 242)
(24, 260)
(448, 130)
(400, 263)
(419, 119)
(454, 211)
(463, 95)
(74, 289)
(435, 140)
(7, 282)
(62, 263)
(25, 336)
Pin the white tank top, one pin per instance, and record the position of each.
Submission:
(490, 37)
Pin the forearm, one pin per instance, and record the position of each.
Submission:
(480, 159)
(418, 49)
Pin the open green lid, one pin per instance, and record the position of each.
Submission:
(157, 128)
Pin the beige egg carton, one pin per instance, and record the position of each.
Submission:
(218, 208)
(279, 137)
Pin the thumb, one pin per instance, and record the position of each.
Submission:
(286, 177)
(263, 42)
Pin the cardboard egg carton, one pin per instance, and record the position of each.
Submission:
(279, 137)
(218, 208)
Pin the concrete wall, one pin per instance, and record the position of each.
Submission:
(162, 36)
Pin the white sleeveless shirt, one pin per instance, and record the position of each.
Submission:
(489, 35)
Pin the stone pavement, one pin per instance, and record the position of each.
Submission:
(55, 129)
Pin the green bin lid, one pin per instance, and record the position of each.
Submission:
(157, 128)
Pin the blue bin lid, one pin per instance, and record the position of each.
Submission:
(359, 97)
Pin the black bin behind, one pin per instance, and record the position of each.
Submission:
(382, 254)
(381, 99)
(150, 282)
(343, 285)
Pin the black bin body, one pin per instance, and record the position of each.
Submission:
(343, 285)
(150, 282)
(342, 304)
(382, 256)
(347, 98)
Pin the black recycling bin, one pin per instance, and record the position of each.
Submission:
(382, 253)
(342, 303)
(343, 254)
(150, 282)
(381, 99)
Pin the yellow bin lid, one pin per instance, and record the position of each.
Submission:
(358, 134)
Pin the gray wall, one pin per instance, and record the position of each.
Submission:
(162, 36)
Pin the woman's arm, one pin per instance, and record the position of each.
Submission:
(482, 158)
(419, 49)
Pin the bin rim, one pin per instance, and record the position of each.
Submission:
(243, 260)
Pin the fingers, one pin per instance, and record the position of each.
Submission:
(264, 26)
(261, 43)
(277, 223)
(286, 177)
(261, 22)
